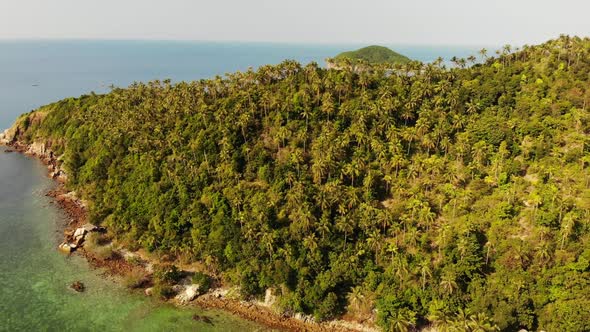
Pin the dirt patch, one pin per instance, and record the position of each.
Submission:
(262, 315)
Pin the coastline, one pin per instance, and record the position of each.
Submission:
(119, 265)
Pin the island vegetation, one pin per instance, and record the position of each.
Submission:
(454, 197)
(374, 55)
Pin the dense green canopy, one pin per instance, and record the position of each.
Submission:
(375, 55)
(456, 197)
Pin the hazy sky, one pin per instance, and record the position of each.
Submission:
(490, 22)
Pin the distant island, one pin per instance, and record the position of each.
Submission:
(371, 54)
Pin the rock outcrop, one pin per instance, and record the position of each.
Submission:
(269, 297)
(37, 149)
(304, 318)
(189, 293)
(79, 233)
(41, 149)
(67, 247)
(75, 239)
(3, 139)
(92, 228)
(7, 136)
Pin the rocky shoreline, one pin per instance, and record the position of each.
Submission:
(122, 262)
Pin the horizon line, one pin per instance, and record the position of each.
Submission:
(220, 41)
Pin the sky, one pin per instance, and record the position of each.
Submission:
(441, 22)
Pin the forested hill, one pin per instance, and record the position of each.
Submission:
(375, 55)
(447, 196)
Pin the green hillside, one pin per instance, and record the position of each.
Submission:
(375, 55)
(457, 198)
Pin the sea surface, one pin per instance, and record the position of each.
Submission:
(34, 276)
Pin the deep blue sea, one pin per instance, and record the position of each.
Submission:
(34, 73)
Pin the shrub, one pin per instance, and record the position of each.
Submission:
(166, 274)
(163, 291)
(203, 280)
(134, 260)
(327, 308)
(95, 240)
(104, 252)
(135, 279)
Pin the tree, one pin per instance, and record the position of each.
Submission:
(484, 54)
(356, 299)
(448, 282)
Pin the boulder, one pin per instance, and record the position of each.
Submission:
(66, 247)
(79, 241)
(90, 227)
(149, 291)
(189, 293)
(37, 148)
(178, 288)
(3, 137)
(219, 292)
(304, 318)
(56, 174)
(7, 136)
(61, 176)
(269, 297)
(78, 286)
(79, 233)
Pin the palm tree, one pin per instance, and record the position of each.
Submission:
(567, 226)
(374, 240)
(409, 135)
(402, 320)
(461, 322)
(310, 242)
(324, 227)
(344, 225)
(472, 107)
(448, 282)
(425, 272)
(484, 54)
(535, 200)
(481, 323)
(351, 170)
(268, 239)
(328, 106)
(544, 253)
(356, 298)
(391, 247)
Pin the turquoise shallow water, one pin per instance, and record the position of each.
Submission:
(35, 277)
